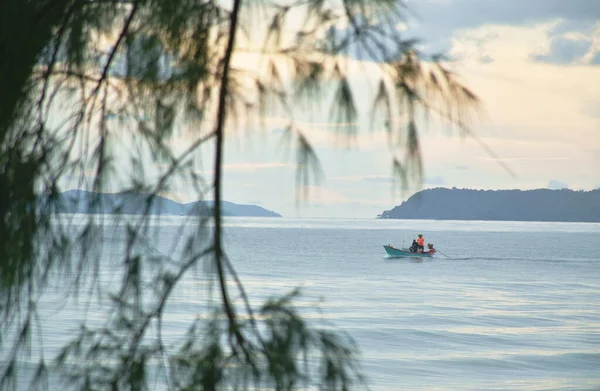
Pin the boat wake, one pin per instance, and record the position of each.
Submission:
(439, 257)
(518, 259)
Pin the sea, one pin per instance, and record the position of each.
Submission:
(501, 306)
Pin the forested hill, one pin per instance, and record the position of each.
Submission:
(80, 201)
(508, 205)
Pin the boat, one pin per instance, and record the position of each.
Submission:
(404, 252)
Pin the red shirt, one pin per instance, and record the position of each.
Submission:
(420, 241)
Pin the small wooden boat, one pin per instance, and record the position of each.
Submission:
(404, 252)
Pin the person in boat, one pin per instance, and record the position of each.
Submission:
(420, 243)
(413, 247)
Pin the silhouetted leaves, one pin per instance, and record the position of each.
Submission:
(97, 93)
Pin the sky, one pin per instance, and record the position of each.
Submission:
(535, 64)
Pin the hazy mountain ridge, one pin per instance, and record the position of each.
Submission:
(506, 205)
(81, 201)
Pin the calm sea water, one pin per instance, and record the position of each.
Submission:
(510, 306)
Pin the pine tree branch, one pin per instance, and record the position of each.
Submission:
(220, 137)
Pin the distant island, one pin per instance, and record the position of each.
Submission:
(506, 205)
(81, 201)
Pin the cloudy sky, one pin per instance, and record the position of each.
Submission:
(535, 64)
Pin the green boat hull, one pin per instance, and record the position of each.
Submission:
(396, 252)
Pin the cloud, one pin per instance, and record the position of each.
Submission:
(318, 195)
(528, 99)
(565, 51)
(245, 167)
(524, 158)
(573, 42)
(321, 196)
(234, 168)
(552, 45)
(434, 180)
(436, 22)
(592, 109)
(368, 178)
(380, 179)
(568, 26)
(554, 184)
(455, 14)
(537, 112)
(486, 59)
